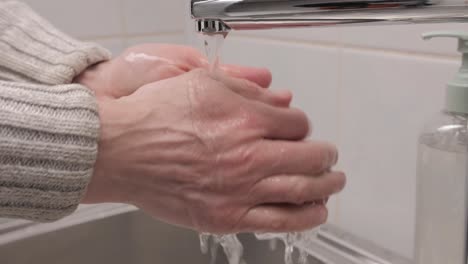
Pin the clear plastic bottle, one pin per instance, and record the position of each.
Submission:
(441, 215)
(441, 194)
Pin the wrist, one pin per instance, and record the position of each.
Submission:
(94, 78)
(108, 184)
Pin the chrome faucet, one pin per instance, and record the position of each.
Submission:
(220, 16)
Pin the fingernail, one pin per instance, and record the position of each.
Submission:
(333, 156)
(337, 154)
(342, 186)
(328, 160)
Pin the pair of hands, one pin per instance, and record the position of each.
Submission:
(218, 153)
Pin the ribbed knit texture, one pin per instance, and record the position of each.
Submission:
(31, 50)
(48, 128)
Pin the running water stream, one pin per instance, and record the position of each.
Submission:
(231, 245)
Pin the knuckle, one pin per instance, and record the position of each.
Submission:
(299, 193)
(242, 85)
(249, 157)
(251, 88)
(253, 120)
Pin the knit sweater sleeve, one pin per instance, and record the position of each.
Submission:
(48, 147)
(48, 126)
(33, 51)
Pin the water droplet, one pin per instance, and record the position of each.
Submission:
(231, 245)
(232, 248)
(273, 244)
(204, 242)
(214, 250)
(288, 251)
(303, 256)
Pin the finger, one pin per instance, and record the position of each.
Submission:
(285, 97)
(253, 91)
(186, 58)
(192, 58)
(259, 76)
(162, 73)
(297, 189)
(280, 122)
(154, 74)
(276, 157)
(283, 218)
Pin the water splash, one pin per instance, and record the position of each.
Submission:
(214, 250)
(292, 241)
(289, 241)
(233, 249)
(288, 252)
(273, 244)
(303, 256)
(231, 245)
(204, 242)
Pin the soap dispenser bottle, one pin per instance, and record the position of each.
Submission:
(441, 215)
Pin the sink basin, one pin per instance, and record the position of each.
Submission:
(129, 238)
(135, 238)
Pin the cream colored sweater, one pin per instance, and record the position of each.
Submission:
(49, 127)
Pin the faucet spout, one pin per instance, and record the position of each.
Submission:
(218, 16)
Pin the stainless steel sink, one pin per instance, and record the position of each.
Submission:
(134, 238)
(131, 238)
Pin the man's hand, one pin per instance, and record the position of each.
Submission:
(211, 152)
(149, 63)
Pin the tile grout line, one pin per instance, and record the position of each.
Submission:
(325, 44)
